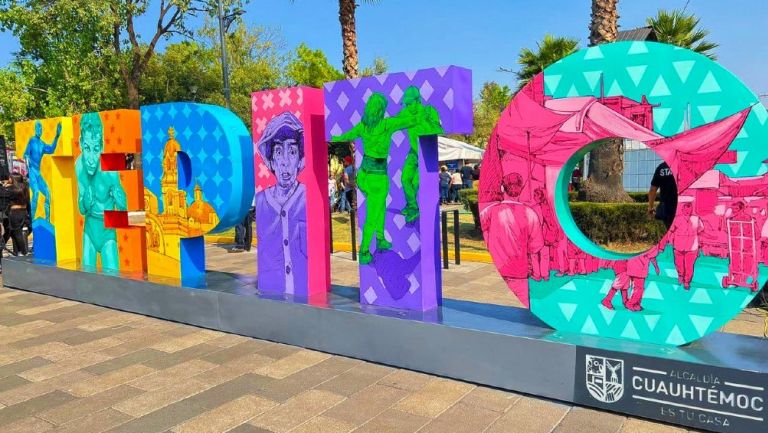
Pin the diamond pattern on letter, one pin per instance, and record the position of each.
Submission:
(370, 295)
(414, 284)
(426, 90)
(414, 242)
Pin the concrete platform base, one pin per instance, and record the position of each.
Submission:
(718, 383)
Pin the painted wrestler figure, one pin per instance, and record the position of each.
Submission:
(33, 155)
(376, 131)
(98, 191)
(429, 124)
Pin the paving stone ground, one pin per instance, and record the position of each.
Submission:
(72, 367)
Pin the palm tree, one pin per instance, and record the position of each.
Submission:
(549, 50)
(349, 36)
(604, 27)
(606, 161)
(681, 29)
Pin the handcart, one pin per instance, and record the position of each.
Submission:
(742, 249)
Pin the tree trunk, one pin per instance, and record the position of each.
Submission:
(349, 37)
(132, 87)
(604, 26)
(606, 162)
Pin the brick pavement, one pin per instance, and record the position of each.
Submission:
(71, 367)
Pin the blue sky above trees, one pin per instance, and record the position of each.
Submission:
(486, 34)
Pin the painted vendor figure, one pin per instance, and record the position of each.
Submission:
(281, 216)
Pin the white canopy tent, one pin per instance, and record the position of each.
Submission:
(451, 150)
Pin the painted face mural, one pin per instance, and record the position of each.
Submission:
(707, 267)
(290, 162)
(394, 120)
(281, 214)
(97, 191)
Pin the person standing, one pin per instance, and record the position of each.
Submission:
(445, 184)
(576, 178)
(518, 236)
(467, 175)
(663, 180)
(331, 192)
(685, 242)
(19, 198)
(348, 188)
(456, 185)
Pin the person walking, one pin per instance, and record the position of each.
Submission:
(347, 183)
(244, 231)
(663, 180)
(467, 175)
(456, 185)
(445, 184)
(331, 192)
(18, 192)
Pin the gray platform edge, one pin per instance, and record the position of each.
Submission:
(521, 364)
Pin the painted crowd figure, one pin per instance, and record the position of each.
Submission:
(376, 132)
(98, 191)
(281, 216)
(33, 155)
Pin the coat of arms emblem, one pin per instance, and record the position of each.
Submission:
(605, 378)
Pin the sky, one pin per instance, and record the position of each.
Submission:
(484, 35)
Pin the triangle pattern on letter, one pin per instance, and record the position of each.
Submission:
(589, 327)
(700, 296)
(636, 73)
(568, 310)
(683, 69)
(651, 321)
(551, 82)
(675, 337)
(709, 85)
(593, 53)
(592, 77)
(608, 315)
(614, 90)
(660, 116)
(701, 323)
(630, 331)
(709, 112)
(660, 88)
(637, 47)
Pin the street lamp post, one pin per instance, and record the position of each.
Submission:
(224, 64)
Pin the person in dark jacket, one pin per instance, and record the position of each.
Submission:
(16, 192)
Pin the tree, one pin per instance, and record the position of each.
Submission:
(549, 50)
(681, 29)
(494, 98)
(15, 100)
(604, 27)
(310, 68)
(349, 36)
(133, 55)
(606, 161)
(378, 67)
(65, 58)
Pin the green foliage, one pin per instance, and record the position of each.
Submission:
(637, 197)
(486, 111)
(603, 223)
(65, 64)
(548, 51)
(79, 56)
(681, 29)
(15, 100)
(378, 67)
(617, 222)
(311, 68)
